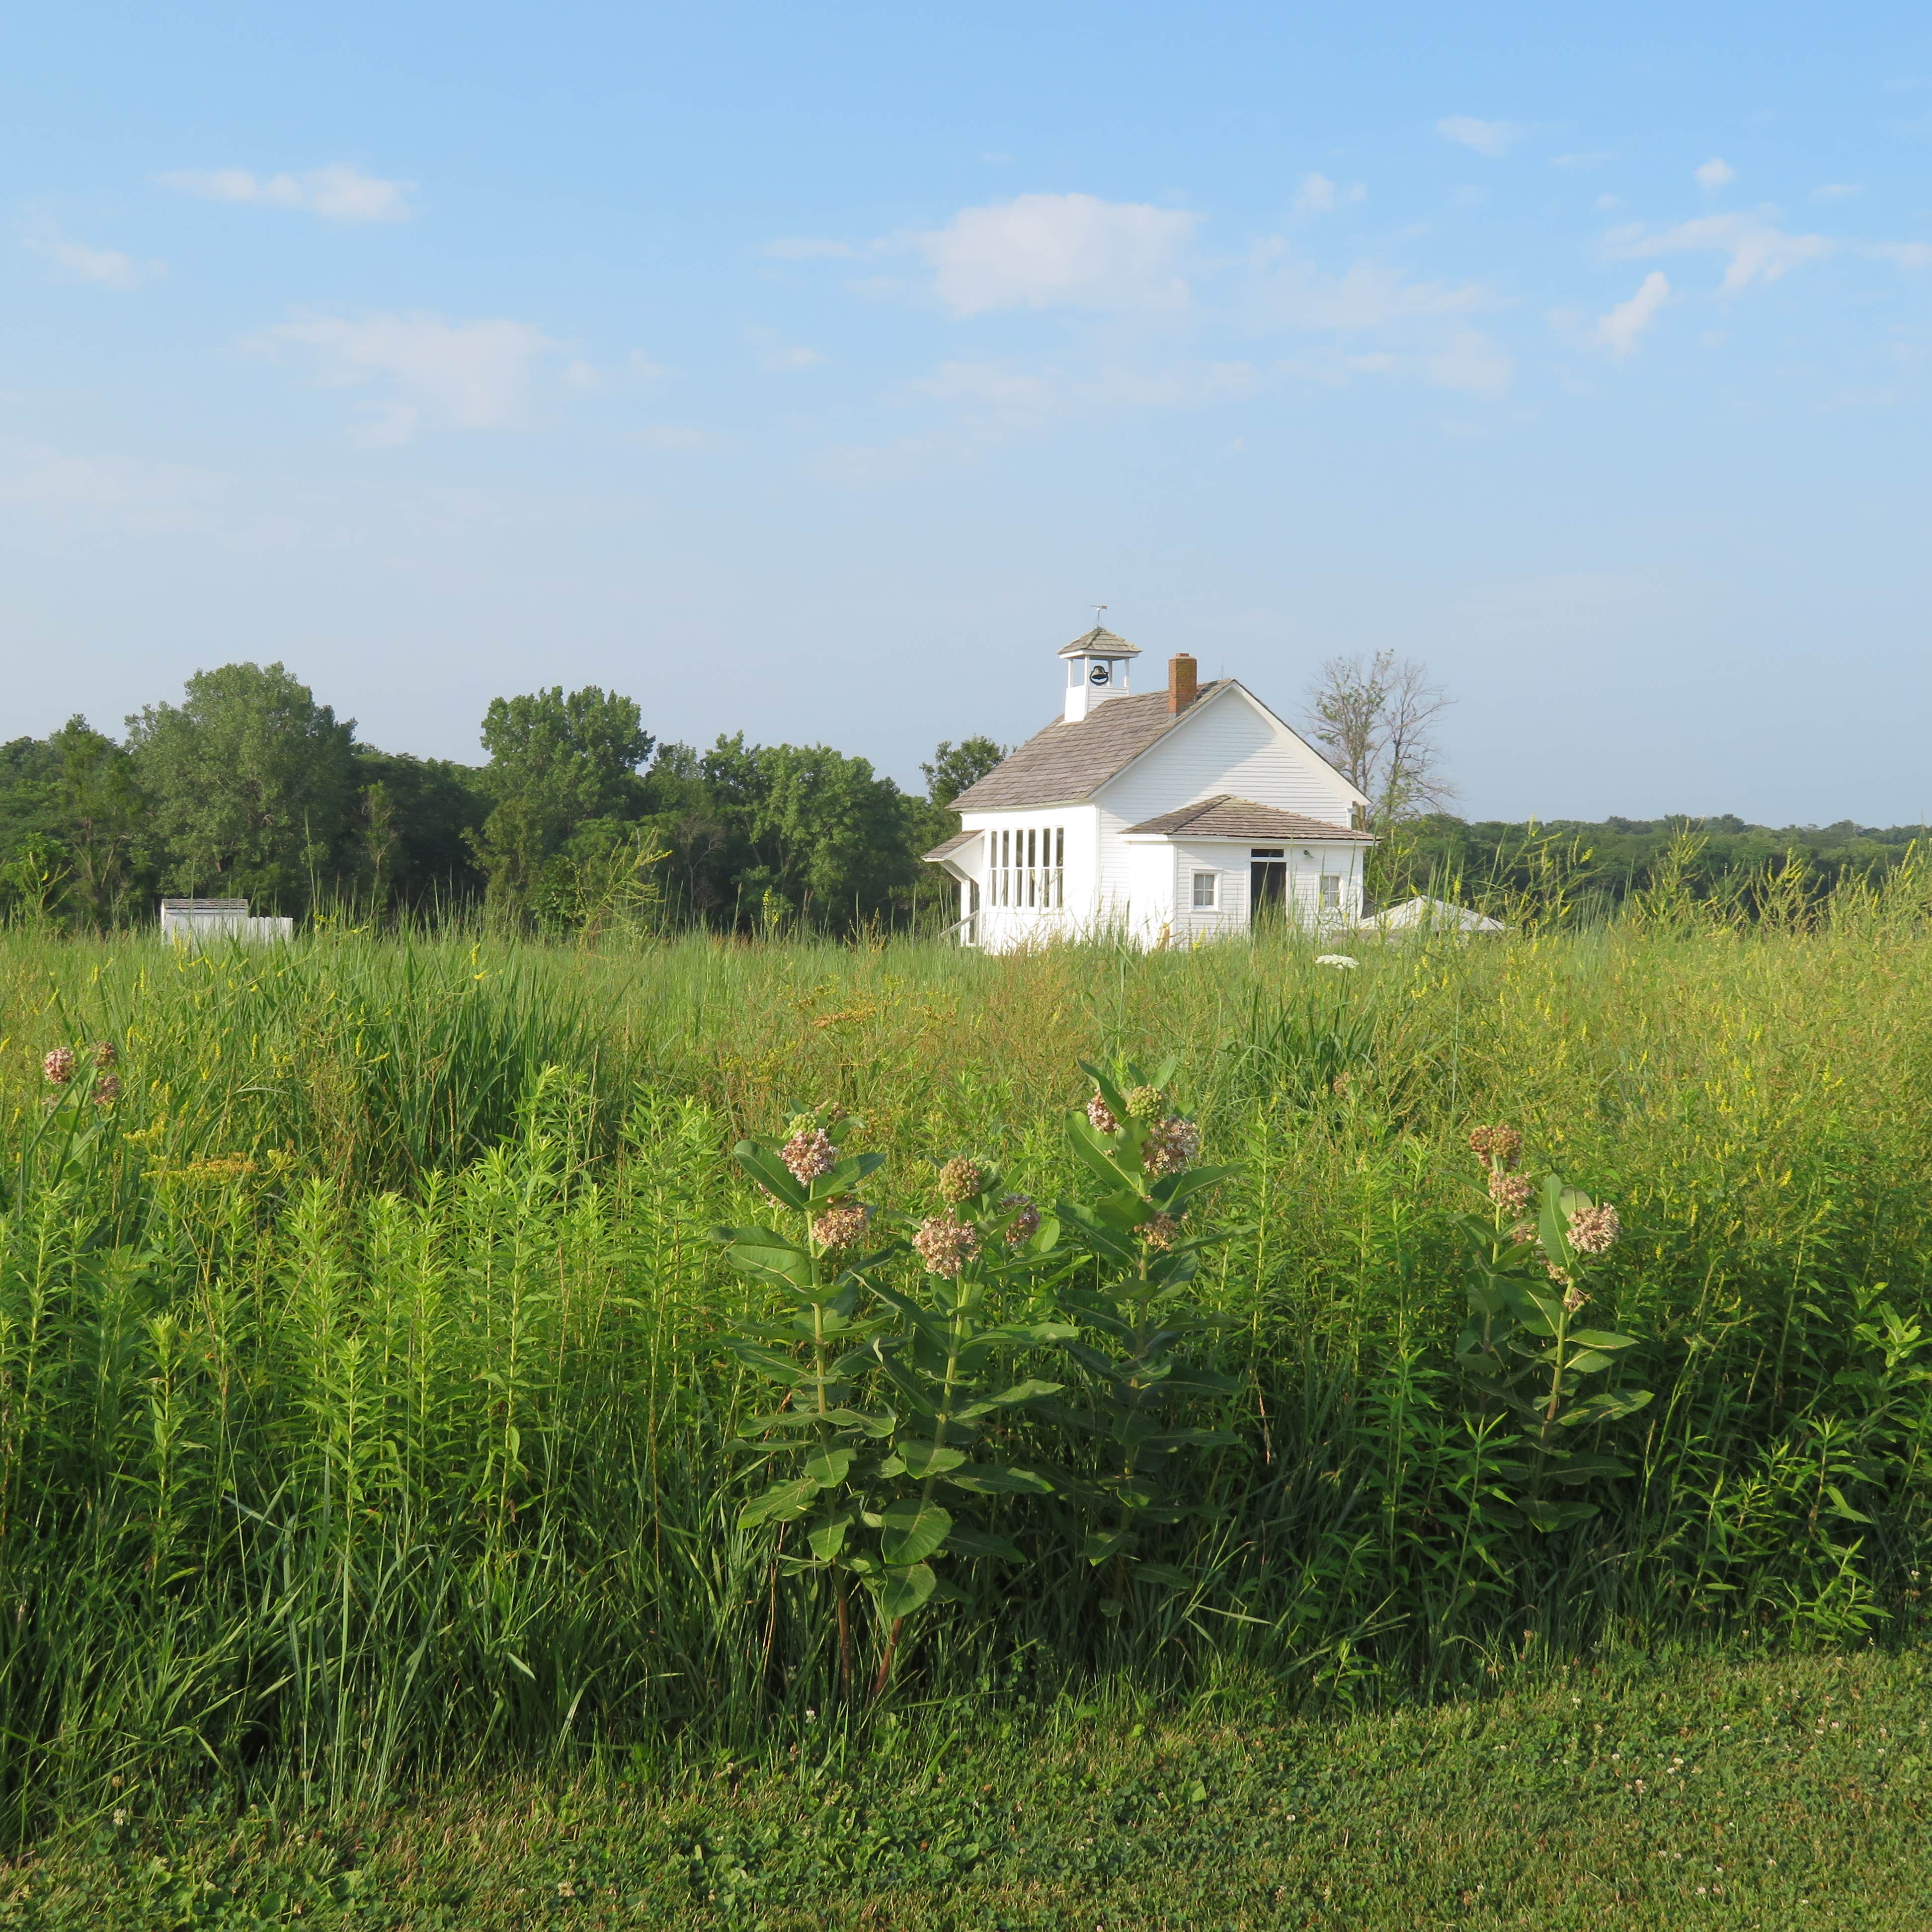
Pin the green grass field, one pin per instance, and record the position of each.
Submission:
(371, 1470)
(1792, 1794)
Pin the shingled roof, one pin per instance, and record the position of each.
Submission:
(947, 848)
(1071, 759)
(1227, 818)
(1100, 642)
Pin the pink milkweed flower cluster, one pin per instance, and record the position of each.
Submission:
(1172, 1145)
(104, 1054)
(1594, 1231)
(843, 1226)
(1497, 1148)
(1510, 1192)
(959, 1180)
(809, 1153)
(1162, 1231)
(945, 1245)
(1025, 1223)
(58, 1066)
(106, 1090)
(1100, 1116)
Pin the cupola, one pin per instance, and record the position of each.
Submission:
(1096, 670)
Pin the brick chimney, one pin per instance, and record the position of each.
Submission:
(1181, 684)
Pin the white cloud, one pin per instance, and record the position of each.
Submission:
(1759, 251)
(1469, 360)
(75, 261)
(1492, 138)
(1298, 296)
(582, 375)
(475, 375)
(132, 493)
(775, 358)
(1047, 250)
(1318, 195)
(1716, 173)
(1903, 254)
(1618, 331)
(1607, 202)
(1835, 191)
(338, 192)
(641, 364)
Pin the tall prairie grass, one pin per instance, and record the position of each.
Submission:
(364, 1410)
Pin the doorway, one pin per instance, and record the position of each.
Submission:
(1267, 886)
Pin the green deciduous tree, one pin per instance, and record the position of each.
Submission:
(253, 784)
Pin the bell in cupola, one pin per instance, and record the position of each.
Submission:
(1096, 670)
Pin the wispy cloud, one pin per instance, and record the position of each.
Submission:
(1834, 191)
(1318, 195)
(77, 261)
(1492, 138)
(470, 375)
(1619, 331)
(1470, 360)
(1052, 250)
(338, 192)
(1759, 251)
(775, 357)
(1716, 173)
(1900, 254)
(1295, 294)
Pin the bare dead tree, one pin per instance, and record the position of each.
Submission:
(1377, 718)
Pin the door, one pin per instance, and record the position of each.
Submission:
(1267, 887)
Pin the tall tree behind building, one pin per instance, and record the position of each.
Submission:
(1377, 718)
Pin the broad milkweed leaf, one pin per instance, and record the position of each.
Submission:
(827, 1468)
(912, 1531)
(1101, 1544)
(1601, 1338)
(771, 1174)
(903, 1591)
(767, 1362)
(1549, 1517)
(1094, 1154)
(828, 1538)
(965, 1540)
(1165, 1574)
(1581, 1468)
(783, 1502)
(924, 1459)
(986, 1479)
(1587, 1361)
(1612, 1406)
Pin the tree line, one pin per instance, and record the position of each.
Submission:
(248, 787)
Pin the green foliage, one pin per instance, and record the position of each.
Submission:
(252, 784)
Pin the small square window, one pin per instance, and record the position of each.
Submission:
(1205, 884)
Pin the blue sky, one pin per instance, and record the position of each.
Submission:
(812, 371)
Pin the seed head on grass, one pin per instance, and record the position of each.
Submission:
(809, 1153)
(959, 1180)
(58, 1066)
(945, 1245)
(1101, 1116)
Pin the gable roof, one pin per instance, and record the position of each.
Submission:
(1226, 818)
(1072, 758)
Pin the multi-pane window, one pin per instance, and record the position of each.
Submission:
(1204, 884)
(1027, 867)
(1331, 891)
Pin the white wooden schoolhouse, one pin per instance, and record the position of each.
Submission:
(1173, 816)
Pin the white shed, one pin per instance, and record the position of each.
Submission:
(1174, 815)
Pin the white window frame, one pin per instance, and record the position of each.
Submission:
(1212, 903)
(1328, 891)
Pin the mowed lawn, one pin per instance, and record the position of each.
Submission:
(1786, 1793)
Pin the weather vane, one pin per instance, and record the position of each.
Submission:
(1097, 609)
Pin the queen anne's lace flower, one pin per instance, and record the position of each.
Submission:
(1101, 1116)
(1594, 1231)
(843, 1226)
(58, 1066)
(1025, 1223)
(960, 1180)
(945, 1245)
(1162, 1231)
(1171, 1146)
(1510, 1192)
(809, 1153)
